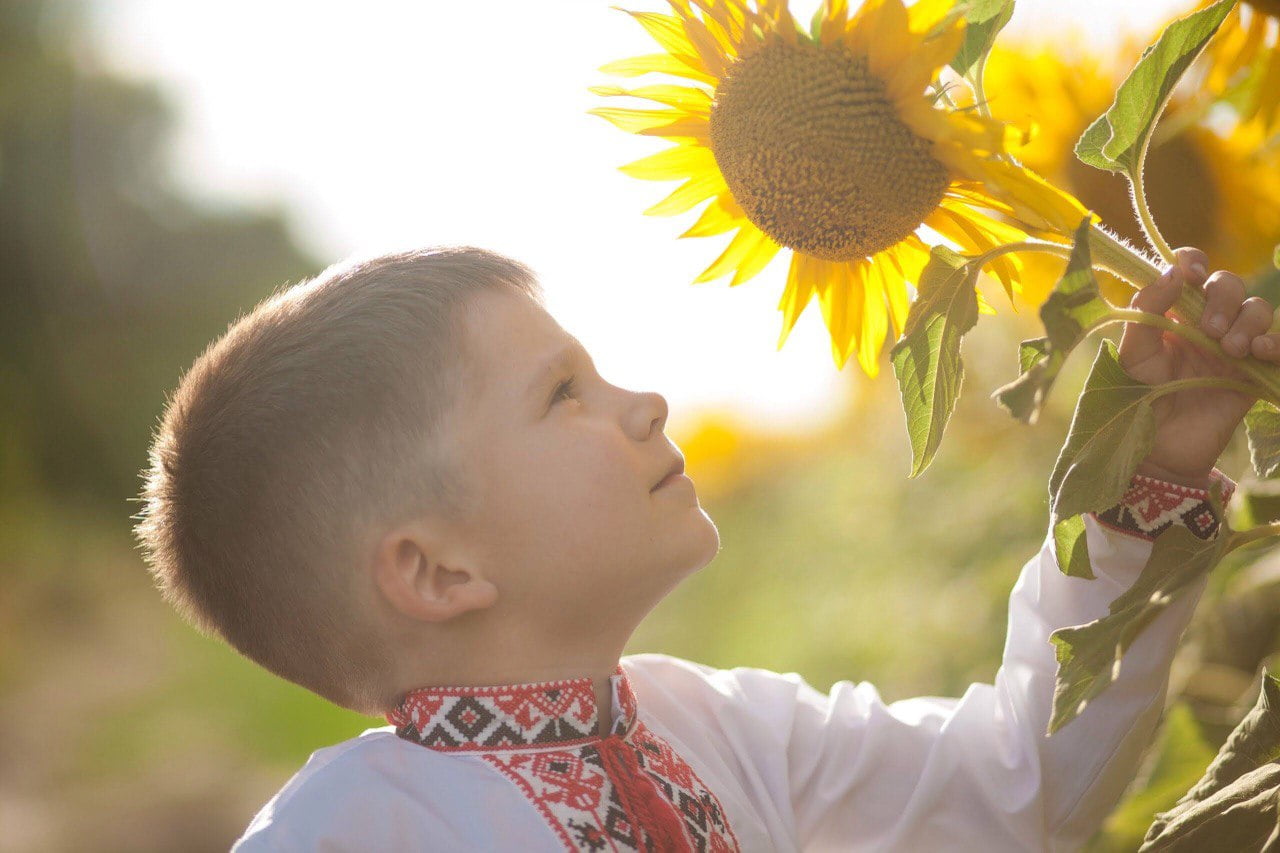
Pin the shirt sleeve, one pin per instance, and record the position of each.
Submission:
(978, 772)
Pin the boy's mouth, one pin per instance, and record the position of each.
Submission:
(676, 469)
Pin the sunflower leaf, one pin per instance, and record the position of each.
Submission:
(1244, 776)
(1117, 140)
(1241, 816)
(1030, 351)
(1275, 257)
(1111, 432)
(1089, 656)
(1071, 548)
(1074, 308)
(926, 359)
(984, 19)
(1262, 428)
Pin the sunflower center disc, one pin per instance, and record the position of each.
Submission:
(810, 145)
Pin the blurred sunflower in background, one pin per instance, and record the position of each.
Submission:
(1217, 191)
(1246, 52)
(834, 143)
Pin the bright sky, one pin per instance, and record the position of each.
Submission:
(384, 125)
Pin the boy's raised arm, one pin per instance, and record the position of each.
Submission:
(979, 772)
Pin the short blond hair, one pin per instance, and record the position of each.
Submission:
(312, 418)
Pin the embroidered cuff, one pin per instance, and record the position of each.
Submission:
(1150, 506)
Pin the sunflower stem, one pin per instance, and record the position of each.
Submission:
(1138, 190)
(1111, 254)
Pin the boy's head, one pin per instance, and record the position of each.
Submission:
(379, 479)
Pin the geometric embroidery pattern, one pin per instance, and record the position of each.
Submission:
(1151, 506)
(628, 791)
(470, 718)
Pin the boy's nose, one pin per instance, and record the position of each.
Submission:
(649, 413)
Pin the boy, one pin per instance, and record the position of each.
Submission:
(404, 486)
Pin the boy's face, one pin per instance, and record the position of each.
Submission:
(567, 518)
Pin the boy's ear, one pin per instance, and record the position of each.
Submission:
(414, 574)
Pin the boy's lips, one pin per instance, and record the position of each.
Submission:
(676, 469)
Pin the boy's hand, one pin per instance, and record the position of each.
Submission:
(1194, 426)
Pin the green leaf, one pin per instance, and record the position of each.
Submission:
(1240, 817)
(1182, 755)
(1030, 351)
(926, 359)
(1111, 432)
(1275, 257)
(1254, 742)
(1089, 655)
(1262, 428)
(984, 19)
(1074, 308)
(1089, 147)
(1117, 140)
(1070, 548)
(1235, 799)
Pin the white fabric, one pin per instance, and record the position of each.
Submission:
(796, 769)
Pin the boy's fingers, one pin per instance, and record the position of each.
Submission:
(1224, 293)
(1266, 347)
(1253, 320)
(1194, 263)
(1139, 341)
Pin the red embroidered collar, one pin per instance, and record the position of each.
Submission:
(546, 713)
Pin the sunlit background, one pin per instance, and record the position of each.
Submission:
(164, 165)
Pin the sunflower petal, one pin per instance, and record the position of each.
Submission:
(909, 259)
(967, 229)
(686, 98)
(924, 15)
(784, 25)
(1034, 200)
(833, 22)
(733, 255)
(655, 63)
(668, 32)
(717, 25)
(640, 121)
(797, 295)
(984, 307)
(681, 161)
(697, 189)
(759, 257)
(889, 39)
(841, 306)
(713, 58)
(1267, 93)
(875, 320)
(720, 216)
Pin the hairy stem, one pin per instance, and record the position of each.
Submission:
(1143, 209)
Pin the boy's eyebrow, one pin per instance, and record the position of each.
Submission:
(560, 358)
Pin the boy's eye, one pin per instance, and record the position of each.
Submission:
(563, 391)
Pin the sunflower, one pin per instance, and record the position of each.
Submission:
(1247, 47)
(1217, 191)
(834, 144)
